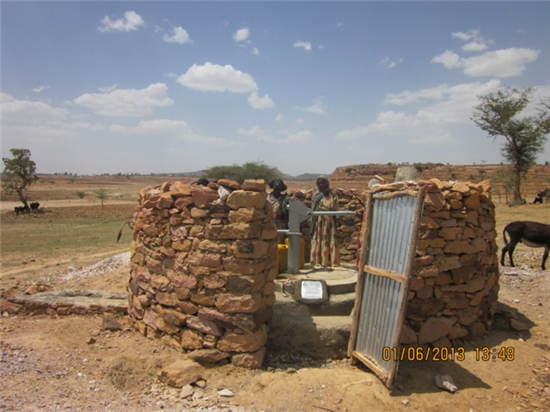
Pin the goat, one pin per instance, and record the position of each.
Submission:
(34, 206)
(532, 234)
(21, 209)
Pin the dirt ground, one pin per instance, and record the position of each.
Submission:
(70, 364)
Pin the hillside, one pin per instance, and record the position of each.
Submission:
(358, 176)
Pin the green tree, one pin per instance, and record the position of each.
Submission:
(101, 195)
(249, 170)
(499, 114)
(505, 179)
(19, 173)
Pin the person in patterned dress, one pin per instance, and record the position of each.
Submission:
(324, 249)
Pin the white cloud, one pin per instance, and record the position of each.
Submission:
(299, 121)
(127, 102)
(260, 103)
(430, 122)
(318, 107)
(180, 36)
(449, 59)
(279, 118)
(303, 45)
(216, 78)
(389, 63)
(255, 51)
(169, 128)
(474, 39)
(108, 89)
(14, 110)
(475, 46)
(39, 89)
(241, 35)
(302, 136)
(130, 22)
(261, 135)
(501, 63)
(408, 96)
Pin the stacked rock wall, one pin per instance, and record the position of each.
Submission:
(202, 269)
(454, 286)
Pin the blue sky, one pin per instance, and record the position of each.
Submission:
(162, 87)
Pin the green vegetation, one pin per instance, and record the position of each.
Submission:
(64, 240)
(19, 173)
(101, 195)
(500, 114)
(249, 170)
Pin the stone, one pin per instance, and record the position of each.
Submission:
(207, 355)
(186, 391)
(245, 198)
(433, 329)
(180, 373)
(445, 382)
(230, 184)
(232, 303)
(233, 231)
(249, 360)
(249, 249)
(518, 325)
(203, 196)
(246, 215)
(476, 330)
(110, 322)
(254, 185)
(173, 317)
(205, 326)
(226, 393)
(191, 339)
(247, 342)
(408, 336)
(167, 299)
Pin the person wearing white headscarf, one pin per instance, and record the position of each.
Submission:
(324, 249)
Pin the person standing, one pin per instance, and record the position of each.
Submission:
(324, 249)
(279, 203)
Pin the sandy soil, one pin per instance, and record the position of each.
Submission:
(71, 364)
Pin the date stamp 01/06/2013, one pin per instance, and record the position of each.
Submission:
(443, 354)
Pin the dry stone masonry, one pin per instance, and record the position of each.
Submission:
(454, 286)
(203, 269)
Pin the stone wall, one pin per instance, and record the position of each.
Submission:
(454, 286)
(203, 269)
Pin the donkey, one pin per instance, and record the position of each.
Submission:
(532, 234)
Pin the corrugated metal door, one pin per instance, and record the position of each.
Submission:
(388, 239)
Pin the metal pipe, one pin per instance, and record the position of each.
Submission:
(331, 213)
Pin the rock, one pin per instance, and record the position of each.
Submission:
(445, 382)
(518, 325)
(434, 329)
(186, 391)
(181, 373)
(226, 393)
(249, 360)
(110, 322)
